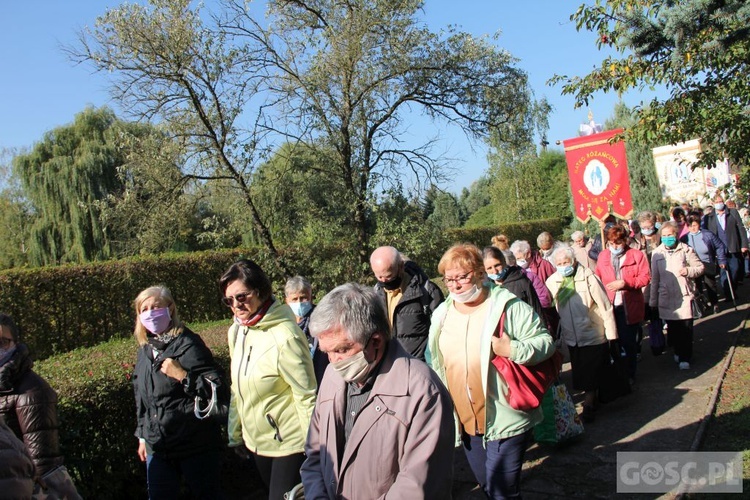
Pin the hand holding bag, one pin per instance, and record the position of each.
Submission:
(526, 384)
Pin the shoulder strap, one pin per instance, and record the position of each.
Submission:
(501, 324)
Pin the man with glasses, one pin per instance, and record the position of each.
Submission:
(383, 422)
(409, 296)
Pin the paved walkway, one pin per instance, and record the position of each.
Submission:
(663, 414)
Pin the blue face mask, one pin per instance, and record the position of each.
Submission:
(669, 241)
(499, 276)
(565, 270)
(616, 251)
(648, 232)
(300, 309)
(657, 225)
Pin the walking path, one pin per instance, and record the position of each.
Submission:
(664, 413)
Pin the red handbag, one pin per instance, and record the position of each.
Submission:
(526, 384)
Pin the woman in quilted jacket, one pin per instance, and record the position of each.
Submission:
(27, 402)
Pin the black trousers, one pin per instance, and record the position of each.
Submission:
(680, 334)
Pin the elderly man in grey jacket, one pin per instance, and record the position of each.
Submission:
(383, 421)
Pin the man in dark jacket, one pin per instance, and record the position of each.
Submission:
(409, 296)
(726, 223)
(711, 251)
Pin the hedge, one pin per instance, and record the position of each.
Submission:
(66, 307)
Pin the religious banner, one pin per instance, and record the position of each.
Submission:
(598, 174)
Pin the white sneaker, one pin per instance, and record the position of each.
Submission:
(676, 358)
(684, 365)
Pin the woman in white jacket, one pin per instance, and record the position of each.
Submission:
(674, 267)
(587, 323)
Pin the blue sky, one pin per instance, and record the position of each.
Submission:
(41, 89)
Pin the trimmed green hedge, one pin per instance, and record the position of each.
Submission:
(66, 307)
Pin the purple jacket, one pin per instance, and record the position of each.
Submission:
(540, 288)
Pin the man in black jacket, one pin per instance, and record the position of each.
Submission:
(409, 297)
(726, 223)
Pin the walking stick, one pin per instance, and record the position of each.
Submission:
(731, 288)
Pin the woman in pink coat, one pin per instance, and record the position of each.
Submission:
(624, 272)
(674, 267)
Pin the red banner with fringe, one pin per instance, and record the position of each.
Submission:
(598, 174)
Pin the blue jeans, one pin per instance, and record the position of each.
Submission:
(201, 472)
(498, 467)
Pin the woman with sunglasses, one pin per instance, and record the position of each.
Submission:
(463, 339)
(273, 382)
(174, 367)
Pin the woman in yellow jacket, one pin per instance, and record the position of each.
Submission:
(273, 383)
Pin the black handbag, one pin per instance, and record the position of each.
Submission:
(700, 305)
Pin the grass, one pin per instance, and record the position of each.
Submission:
(729, 429)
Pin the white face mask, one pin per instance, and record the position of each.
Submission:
(353, 369)
(522, 263)
(469, 295)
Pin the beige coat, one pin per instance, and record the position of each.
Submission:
(670, 292)
(588, 318)
(401, 445)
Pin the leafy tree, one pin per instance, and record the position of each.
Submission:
(157, 210)
(644, 181)
(699, 50)
(63, 176)
(476, 196)
(15, 215)
(301, 206)
(345, 75)
(535, 187)
(447, 212)
(171, 63)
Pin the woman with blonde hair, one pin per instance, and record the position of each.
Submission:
(501, 242)
(174, 368)
(463, 340)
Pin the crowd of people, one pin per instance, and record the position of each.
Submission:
(368, 393)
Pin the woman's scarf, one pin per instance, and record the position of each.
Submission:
(161, 341)
(257, 316)
(566, 291)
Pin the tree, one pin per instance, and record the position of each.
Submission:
(15, 215)
(63, 176)
(699, 50)
(346, 75)
(157, 210)
(644, 181)
(535, 187)
(171, 64)
(475, 197)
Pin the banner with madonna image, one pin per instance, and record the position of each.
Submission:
(598, 172)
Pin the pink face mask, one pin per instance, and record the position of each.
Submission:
(156, 321)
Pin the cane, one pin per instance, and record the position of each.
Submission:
(731, 288)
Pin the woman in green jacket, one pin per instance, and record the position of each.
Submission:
(461, 344)
(273, 383)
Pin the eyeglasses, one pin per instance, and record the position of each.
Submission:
(241, 298)
(5, 342)
(272, 423)
(462, 280)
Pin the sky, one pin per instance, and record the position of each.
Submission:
(41, 89)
